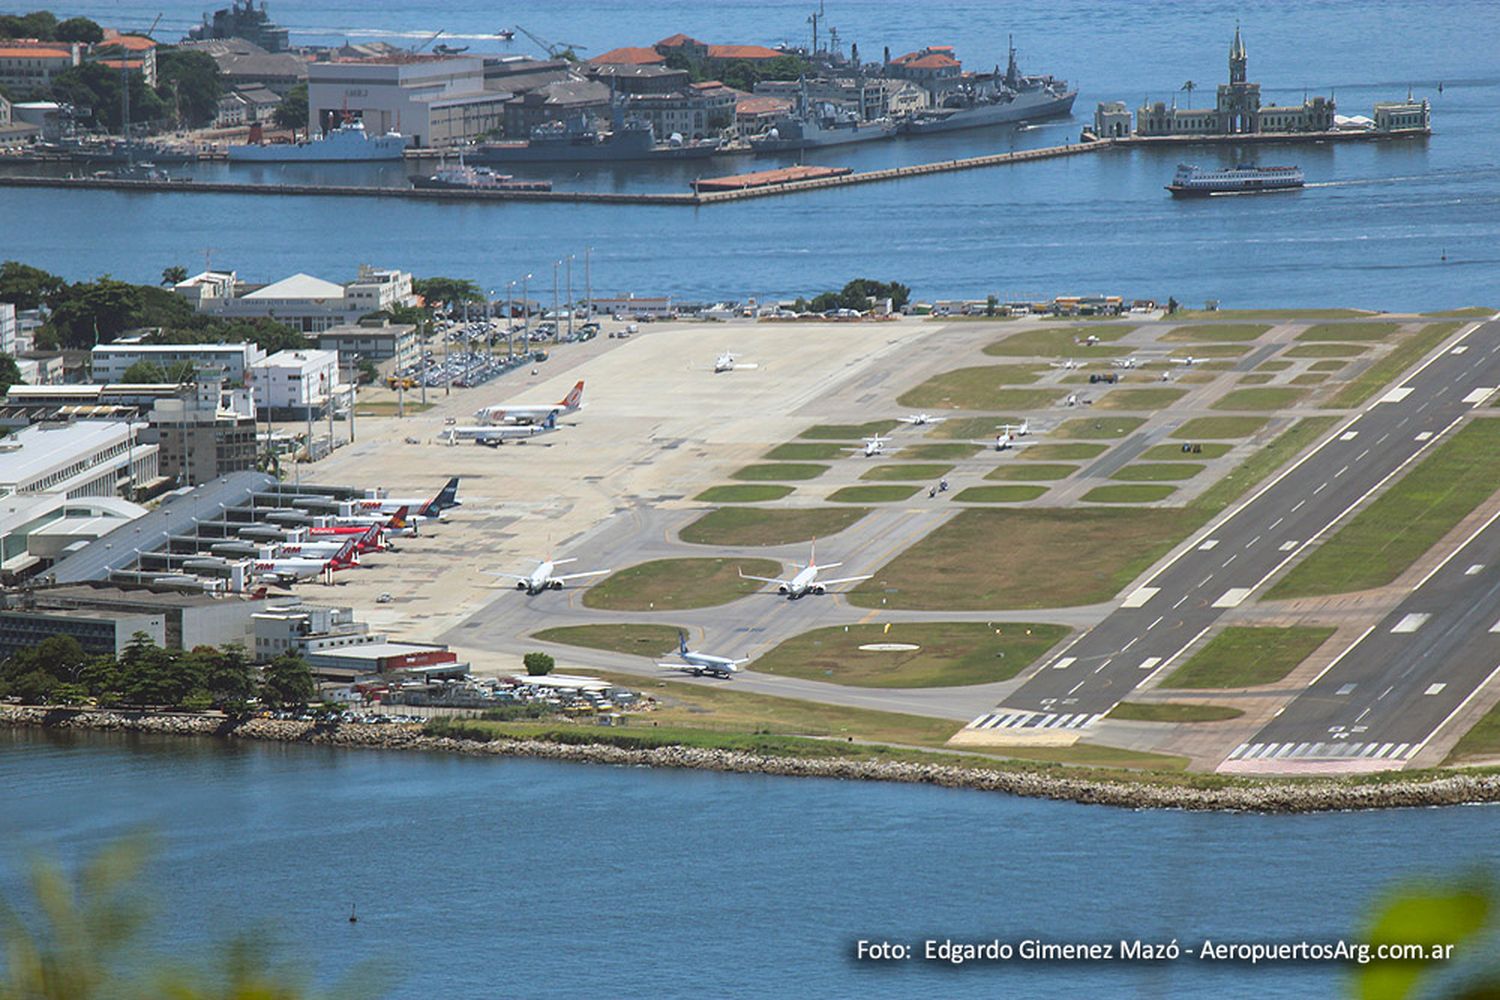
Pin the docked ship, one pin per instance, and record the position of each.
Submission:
(813, 126)
(995, 100)
(347, 143)
(576, 139)
(1195, 182)
(466, 178)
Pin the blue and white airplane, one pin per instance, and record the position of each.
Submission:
(699, 664)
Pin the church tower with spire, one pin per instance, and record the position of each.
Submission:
(1237, 58)
(1238, 106)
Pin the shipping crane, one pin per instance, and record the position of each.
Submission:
(553, 49)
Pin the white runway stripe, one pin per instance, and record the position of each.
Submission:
(1034, 720)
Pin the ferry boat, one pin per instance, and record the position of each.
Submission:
(348, 142)
(466, 178)
(1195, 182)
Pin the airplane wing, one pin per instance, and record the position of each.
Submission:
(762, 579)
(579, 576)
(508, 576)
(844, 579)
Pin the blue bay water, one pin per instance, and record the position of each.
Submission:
(526, 878)
(1397, 225)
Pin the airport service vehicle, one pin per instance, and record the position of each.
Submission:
(726, 362)
(494, 435)
(1195, 182)
(699, 664)
(543, 578)
(346, 143)
(1013, 98)
(873, 446)
(523, 413)
(446, 497)
(466, 178)
(806, 581)
(920, 419)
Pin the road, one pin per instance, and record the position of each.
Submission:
(1223, 564)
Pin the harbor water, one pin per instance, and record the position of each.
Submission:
(1393, 225)
(486, 877)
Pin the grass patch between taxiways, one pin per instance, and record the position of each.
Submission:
(1247, 656)
(1174, 452)
(1157, 472)
(905, 473)
(1096, 427)
(938, 452)
(800, 451)
(980, 388)
(949, 654)
(678, 584)
(1038, 471)
(744, 493)
(1062, 452)
(638, 640)
(762, 526)
(848, 432)
(1161, 711)
(1129, 493)
(1330, 349)
(1218, 428)
(1381, 541)
(779, 470)
(1217, 332)
(1267, 398)
(872, 494)
(999, 494)
(1368, 330)
(983, 428)
(1059, 342)
(1483, 740)
(1138, 399)
(1387, 369)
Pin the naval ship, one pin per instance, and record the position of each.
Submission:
(1013, 98)
(576, 140)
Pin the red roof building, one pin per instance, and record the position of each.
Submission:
(732, 53)
(629, 56)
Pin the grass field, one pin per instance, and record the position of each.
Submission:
(1387, 369)
(779, 470)
(798, 451)
(950, 654)
(1096, 428)
(971, 428)
(1256, 378)
(1288, 444)
(1215, 351)
(1034, 557)
(979, 388)
(1330, 349)
(1270, 398)
(1129, 493)
(872, 494)
(1157, 711)
(1174, 452)
(1139, 399)
(1217, 332)
(938, 452)
(1310, 378)
(1062, 452)
(1158, 472)
(639, 640)
(1031, 471)
(1366, 331)
(1220, 428)
(678, 584)
(1331, 365)
(848, 432)
(759, 526)
(999, 494)
(1273, 366)
(905, 473)
(1247, 656)
(1482, 741)
(1058, 342)
(744, 493)
(1381, 541)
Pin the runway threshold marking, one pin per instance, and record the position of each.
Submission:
(1232, 598)
(1348, 435)
(1451, 715)
(1208, 545)
(1286, 546)
(1139, 596)
(1410, 623)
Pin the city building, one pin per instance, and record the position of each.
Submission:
(29, 67)
(243, 19)
(14, 132)
(110, 362)
(1403, 116)
(934, 68)
(556, 100)
(88, 458)
(1111, 120)
(629, 56)
(104, 618)
(693, 112)
(336, 646)
(37, 529)
(8, 329)
(303, 302)
(1237, 109)
(244, 64)
(375, 342)
(134, 53)
(433, 100)
(246, 106)
(204, 434)
(295, 383)
(658, 307)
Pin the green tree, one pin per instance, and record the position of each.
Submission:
(367, 371)
(96, 312)
(10, 373)
(292, 111)
(286, 681)
(448, 290)
(38, 674)
(190, 82)
(538, 664)
(97, 87)
(173, 275)
(144, 373)
(991, 302)
(152, 675)
(79, 29)
(228, 678)
(29, 287)
(40, 24)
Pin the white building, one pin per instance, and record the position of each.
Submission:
(296, 380)
(109, 362)
(303, 302)
(89, 458)
(630, 306)
(37, 527)
(8, 329)
(433, 100)
(27, 67)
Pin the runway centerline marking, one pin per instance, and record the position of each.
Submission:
(1159, 619)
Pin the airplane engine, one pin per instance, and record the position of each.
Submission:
(521, 585)
(556, 585)
(818, 588)
(781, 589)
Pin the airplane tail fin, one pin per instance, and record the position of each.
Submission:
(398, 519)
(574, 398)
(551, 422)
(682, 643)
(447, 497)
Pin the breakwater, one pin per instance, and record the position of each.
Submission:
(1028, 780)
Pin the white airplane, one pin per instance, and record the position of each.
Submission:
(400, 523)
(1130, 362)
(1088, 341)
(806, 581)
(1076, 400)
(495, 435)
(699, 664)
(918, 419)
(514, 413)
(319, 549)
(1188, 360)
(1069, 364)
(284, 572)
(726, 363)
(1009, 436)
(543, 578)
(431, 508)
(1016, 430)
(873, 446)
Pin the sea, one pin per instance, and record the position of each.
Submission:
(1410, 225)
(480, 878)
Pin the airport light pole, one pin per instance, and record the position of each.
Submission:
(570, 296)
(510, 318)
(588, 283)
(555, 264)
(526, 313)
(489, 311)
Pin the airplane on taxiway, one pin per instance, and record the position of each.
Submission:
(543, 578)
(806, 581)
(699, 664)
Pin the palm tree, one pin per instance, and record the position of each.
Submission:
(1190, 86)
(174, 274)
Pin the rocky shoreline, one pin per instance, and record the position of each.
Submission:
(1268, 796)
